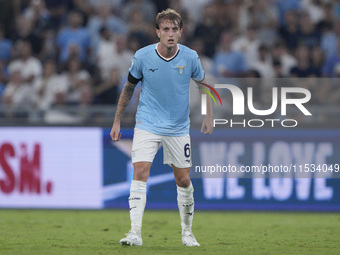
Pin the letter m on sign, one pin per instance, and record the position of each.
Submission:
(30, 173)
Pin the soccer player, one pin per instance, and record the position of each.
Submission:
(164, 70)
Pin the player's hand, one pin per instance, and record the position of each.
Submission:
(207, 126)
(115, 132)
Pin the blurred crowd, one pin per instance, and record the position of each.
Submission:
(78, 52)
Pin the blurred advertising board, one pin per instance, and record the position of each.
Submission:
(81, 168)
(50, 167)
(304, 165)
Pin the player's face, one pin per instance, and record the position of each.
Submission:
(169, 33)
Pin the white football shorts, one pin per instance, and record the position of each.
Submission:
(176, 149)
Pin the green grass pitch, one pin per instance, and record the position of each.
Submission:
(98, 232)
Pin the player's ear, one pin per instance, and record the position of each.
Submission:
(157, 32)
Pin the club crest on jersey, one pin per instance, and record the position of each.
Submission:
(180, 69)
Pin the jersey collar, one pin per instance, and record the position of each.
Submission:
(166, 59)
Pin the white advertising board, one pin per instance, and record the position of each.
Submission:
(50, 167)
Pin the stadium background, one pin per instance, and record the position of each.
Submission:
(63, 65)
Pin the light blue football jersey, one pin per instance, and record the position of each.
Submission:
(163, 107)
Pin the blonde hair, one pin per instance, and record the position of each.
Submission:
(169, 14)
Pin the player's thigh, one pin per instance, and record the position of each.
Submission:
(177, 151)
(144, 146)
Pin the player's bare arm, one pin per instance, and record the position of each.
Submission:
(123, 102)
(207, 124)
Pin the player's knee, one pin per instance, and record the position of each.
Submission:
(141, 173)
(183, 181)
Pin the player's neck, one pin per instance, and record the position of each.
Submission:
(165, 52)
